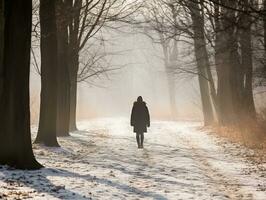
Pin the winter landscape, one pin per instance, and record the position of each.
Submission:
(133, 99)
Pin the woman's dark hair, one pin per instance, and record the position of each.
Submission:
(140, 99)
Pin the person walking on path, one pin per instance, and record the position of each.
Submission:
(140, 120)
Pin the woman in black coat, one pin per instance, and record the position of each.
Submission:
(140, 120)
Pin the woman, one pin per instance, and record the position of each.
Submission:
(140, 120)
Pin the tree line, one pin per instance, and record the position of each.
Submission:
(65, 29)
(227, 39)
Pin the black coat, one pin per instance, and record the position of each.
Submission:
(140, 117)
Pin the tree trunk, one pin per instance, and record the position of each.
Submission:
(172, 93)
(201, 55)
(2, 24)
(49, 75)
(248, 108)
(15, 135)
(225, 91)
(73, 107)
(226, 114)
(264, 39)
(264, 27)
(64, 76)
(225, 50)
(74, 25)
(73, 99)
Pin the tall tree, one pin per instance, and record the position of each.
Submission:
(85, 20)
(2, 24)
(233, 57)
(76, 23)
(202, 60)
(49, 75)
(264, 33)
(246, 21)
(73, 52)
(63, 103)
(15, 142)
(177, 19)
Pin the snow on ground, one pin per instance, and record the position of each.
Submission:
(101, 161)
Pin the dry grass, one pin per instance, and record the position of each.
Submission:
(249, 134)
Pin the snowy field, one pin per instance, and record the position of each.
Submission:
(179, 161)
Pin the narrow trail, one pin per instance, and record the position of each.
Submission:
(102, 162)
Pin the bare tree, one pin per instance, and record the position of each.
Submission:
(160, 22)
(87, 18)
(202, 58)
(221, 33)
(173, 20)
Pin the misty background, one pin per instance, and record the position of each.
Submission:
(138, 71)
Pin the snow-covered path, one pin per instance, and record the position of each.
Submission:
(102, 162)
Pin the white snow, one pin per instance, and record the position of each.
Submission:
(101, 161)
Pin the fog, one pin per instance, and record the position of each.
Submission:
(141, 73)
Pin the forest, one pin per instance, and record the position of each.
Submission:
(70, 71)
